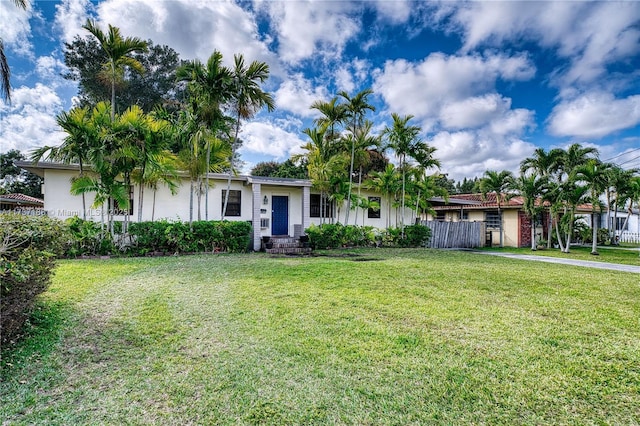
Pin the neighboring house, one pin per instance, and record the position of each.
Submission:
(627, 226)
(516, 224)
(21, 203)
(274, 206)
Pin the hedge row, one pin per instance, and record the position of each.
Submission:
(330, 236)
(29, 246)
(179, 237)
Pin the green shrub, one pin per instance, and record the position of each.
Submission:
(87, 238)
(179, 237)
(29, 246)
(414, 236)
(330, 236)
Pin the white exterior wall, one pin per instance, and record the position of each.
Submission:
(295, 205)
(380, 223)
(58, 201)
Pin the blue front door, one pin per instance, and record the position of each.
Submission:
(279, 215)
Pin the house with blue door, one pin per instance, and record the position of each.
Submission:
(274, 206)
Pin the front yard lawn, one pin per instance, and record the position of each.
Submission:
(353, 337)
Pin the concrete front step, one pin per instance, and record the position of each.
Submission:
(289, 250)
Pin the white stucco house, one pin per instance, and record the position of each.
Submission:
(274, 206)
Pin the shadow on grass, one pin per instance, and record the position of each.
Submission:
(38, 339)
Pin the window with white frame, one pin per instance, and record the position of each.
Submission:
(492, 218)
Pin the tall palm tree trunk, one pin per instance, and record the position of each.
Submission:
(353, 150)
(141, 193)
(594, 234)
(206, 194)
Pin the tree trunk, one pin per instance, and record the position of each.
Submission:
(84, 203)
(549, 230)
(191, 203)
(206, 194)
(141, 194)
(153, 206)
(353, 150)
(569, 234)
(533, 233)
(560, 243)
(594, 234)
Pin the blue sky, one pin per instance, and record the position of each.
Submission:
(488, 82)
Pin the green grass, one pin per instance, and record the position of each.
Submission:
(606, 254)
(360, 337)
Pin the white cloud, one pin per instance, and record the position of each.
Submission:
(15, 30)
(29, 121)
(305, 29)
(297, 94)
(472, 152)
(270, 139)
(395, 12)
(193, 28)
(444, 87)
(594, 115)
(70, 16)
(589, 34)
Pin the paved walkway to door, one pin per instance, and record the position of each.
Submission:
(574, 262)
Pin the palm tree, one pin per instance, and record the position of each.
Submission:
(595, 175)
(210, 87)
(117, 49)
(247, 98)
(547, 165)
(386, 183)
(5, 72)
(322, 163)
(356, 108)
(404, 140)
(571, 194)
(531, 187)
(80, 137)
(363, 142)
(497, 183)
(333, 114)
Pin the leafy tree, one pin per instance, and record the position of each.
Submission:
(497, 183)
(287, 169)
(118, 51)
(595, 175)
(81, 137)
(210, 87)
(247, 98)
(13, 179)
(156, 87)
(387, 183)
(405, 142)
(355, 110)
(465, 186)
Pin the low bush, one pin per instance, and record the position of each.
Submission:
(29, 246)
(178, 237)
(87, 238)
(414, 236)
(330, 236)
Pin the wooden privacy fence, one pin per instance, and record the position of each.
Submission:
(456, 234)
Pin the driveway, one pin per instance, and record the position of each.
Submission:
(574, 262)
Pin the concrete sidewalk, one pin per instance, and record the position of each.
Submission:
(574, 262)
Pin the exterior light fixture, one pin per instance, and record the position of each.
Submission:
(265, 200)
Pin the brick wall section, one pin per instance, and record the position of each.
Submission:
(525, 229)
(255, 217)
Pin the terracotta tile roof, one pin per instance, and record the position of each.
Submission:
(490, 202)
(21, 198)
